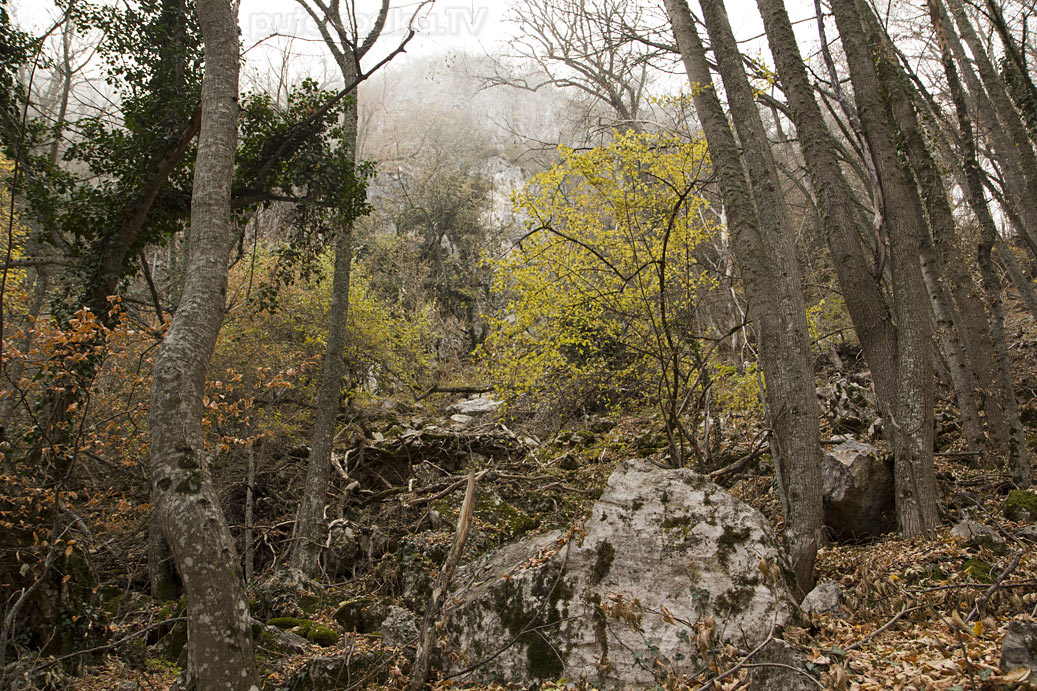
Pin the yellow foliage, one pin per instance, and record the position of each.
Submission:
(602, 287)
(13, 236)
(261, 353)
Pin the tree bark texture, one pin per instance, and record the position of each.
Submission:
(842, 223)
(1018, 455)
(310, 524)
(219, 637)
(911, 425)
(952, 336)
(766, 256)
(1008, 133)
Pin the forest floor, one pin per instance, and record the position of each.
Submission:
(922, 613)
(903, 625)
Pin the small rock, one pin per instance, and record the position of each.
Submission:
(286, 593)
(282, 641)
(362, 615)
(400, 627)
(339, 672)
(826, 597)
(971, 530)
(1028, 532)
(858, 492)
(376, 614)
(477, 405)
(782, 667)
(649, 442)
(350, 614)
(461, 419)
(342, 550)
(583, 437)
(1019, 648)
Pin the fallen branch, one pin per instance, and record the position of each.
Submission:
(455, 390)
(973, 586)
(876, 632)
(113, 645)
(426, 641)
(743, 461)
(448, 490)
(977, 609)
(741, 664)
(780, 665)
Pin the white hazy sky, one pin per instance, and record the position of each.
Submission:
(469, 25)
(450, 26)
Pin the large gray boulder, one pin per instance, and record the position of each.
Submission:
(858, 492)
(476, 405)
(617, 603)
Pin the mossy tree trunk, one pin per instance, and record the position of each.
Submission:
(922, 168)
(842, 223)
(765, 253)
(911, 425)
(1018, 454)
(219, 637)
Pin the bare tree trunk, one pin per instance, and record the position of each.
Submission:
(770, 273)
(911, 425)
(1017, 452)
(1007, 132)
(308, 534)
(219, 637)
(952, 336)
(842, 223)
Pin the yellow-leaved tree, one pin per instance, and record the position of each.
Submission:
(602, 289)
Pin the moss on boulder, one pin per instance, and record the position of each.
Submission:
(312, 631)
(1021, 505)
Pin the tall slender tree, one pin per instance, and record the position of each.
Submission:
(922, 169)
(219, 640)
(767, 260)
(1017, 451)
(348, 50)
(911, 422)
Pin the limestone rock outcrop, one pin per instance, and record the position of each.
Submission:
(617, 601)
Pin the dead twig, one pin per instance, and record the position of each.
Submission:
(797, 670)
(876, 632)
(741, 663)
(114, 644)
(977, 609)
(448, 490)
(426, 641)
(745, 460)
